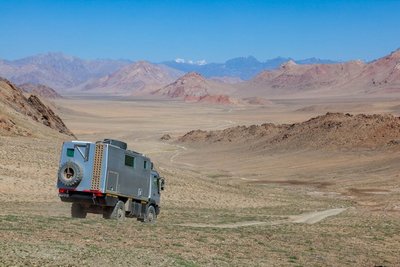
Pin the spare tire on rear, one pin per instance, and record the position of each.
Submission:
(70, 174)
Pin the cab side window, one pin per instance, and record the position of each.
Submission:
(129, 161)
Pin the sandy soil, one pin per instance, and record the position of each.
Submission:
(279, 208)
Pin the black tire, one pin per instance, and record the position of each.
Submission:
(116, 213)
(70, 174)
(78, 211)
(151, 216)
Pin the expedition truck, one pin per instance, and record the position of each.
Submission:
(106, 178)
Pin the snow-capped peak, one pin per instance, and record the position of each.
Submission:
(191, 62)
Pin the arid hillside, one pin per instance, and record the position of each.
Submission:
(329, 131)
(40, 90)
(26, 116)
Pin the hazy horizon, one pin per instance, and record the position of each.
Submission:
(208, 30)
(178, 60)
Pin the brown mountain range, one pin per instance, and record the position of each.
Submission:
(381, 76)
(137, 79)
(353, 78)
(26, 116)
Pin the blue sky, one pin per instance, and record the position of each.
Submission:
(210, 30)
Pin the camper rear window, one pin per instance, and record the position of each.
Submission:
(70, 152)
(129, 161)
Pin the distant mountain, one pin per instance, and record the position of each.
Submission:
(242, 77)
(138, 78)
(381, 76)
(292, 78)
(57, 70)
(63, 72)
(192, 87)
(243, 67)
(40, 90)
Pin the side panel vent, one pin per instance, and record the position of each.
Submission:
(98, 159)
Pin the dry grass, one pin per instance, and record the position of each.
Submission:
(209, 185)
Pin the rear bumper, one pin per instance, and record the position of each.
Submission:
(88, 198)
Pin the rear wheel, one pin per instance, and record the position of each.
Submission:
(78, 211)
(151, 216)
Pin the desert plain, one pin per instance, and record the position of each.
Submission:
(227, 203)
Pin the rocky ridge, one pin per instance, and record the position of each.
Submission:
(329, 131)
(20, 115)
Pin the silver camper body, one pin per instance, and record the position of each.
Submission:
(103, 175)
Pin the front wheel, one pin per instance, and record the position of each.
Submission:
(151, 216)
(116, 213)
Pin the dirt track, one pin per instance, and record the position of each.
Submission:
(314, 217)
(308, 218)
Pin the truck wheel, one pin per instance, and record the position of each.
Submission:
(70, 173)
(118, 213)
(151, 215)
(78, 211)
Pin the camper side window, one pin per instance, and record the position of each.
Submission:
(129, 161)
(145, 164)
